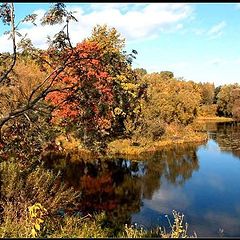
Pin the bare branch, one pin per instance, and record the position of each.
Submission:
(5, 74)
(68, 37)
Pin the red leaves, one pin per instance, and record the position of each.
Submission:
(89, 86)
(103, 75)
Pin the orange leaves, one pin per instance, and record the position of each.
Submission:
(65, 111)
(95, 61)
(56, 98)
(89, 87)
(103, 75)
(104, 123)
(100, 184)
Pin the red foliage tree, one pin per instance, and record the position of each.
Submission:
(86, 98)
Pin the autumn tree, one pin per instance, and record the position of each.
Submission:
(226, 99)
(207, 93)
(166, 75)
(216, 91)
(102, 92)
(207, 106)
(167, 102)
(24, 84)
(127, 88)
(236, 103)
(169, 99)
(8, 62)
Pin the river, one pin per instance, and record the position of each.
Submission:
(200, 181)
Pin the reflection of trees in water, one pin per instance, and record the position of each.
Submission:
(176, 165)
(113, 186)
(118, 186)
(181, 163)
(227, 135)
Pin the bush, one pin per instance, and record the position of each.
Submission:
(22, 187)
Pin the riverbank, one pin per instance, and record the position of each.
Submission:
(138, 147)
(192, 134)
(214, 119)
(133, 149)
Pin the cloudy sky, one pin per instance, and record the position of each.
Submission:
(199, 42)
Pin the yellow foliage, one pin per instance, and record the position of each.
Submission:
(37, 212)
(117, 111)
(71, 144)
(68, 142)
(25, 78)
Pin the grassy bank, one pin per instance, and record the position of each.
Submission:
(174, 135)
(214, 119)
(127, 147)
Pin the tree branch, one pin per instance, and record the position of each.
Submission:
(5, 74)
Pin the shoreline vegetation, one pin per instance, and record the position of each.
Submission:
(137, 149)
(215, 119)
(126, 148)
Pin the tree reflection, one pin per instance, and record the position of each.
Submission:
(176, 165)
(180, 164)
(118, 186)
(227, 135)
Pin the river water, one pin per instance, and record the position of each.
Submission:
(201, 181)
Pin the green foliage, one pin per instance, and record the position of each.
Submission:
(216, 91)
(57, 14)
(5, 13)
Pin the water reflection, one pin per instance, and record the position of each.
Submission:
(227, 135)
(176, 165)
(119, 186)
(200, 181)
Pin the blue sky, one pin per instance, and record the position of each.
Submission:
(199, 42)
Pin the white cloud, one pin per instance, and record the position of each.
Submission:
(213, 33)
(133, 21)
(168, 198)
(217, 30)
(5, 44)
